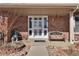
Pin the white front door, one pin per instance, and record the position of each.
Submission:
(38, 26)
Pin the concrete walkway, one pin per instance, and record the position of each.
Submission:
(38, 50)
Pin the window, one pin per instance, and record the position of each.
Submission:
(40, 23)
(40, 31)
(30, 22)
(30, 18)
(30, 32)
(40, 18)
(76, 18)
(35, 18)
(76, 24)
(35, 32)
(35, 24)
(45, 32)
(45, 23)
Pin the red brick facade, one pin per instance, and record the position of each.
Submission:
(21, 24)
(59, 23)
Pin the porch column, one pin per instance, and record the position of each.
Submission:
(71, 28)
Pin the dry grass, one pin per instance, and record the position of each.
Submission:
(73, 50)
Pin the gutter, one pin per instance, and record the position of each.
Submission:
(76, 9)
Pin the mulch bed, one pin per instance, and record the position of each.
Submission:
(16, 49)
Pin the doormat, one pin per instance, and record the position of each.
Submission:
(39, 40)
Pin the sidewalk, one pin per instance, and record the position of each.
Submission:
(38, 50)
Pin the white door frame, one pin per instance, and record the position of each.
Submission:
(43, 29)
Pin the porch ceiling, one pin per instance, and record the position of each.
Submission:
(44, 11)
(39, 11)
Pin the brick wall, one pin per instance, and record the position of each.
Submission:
(59, 23)
(21, 24)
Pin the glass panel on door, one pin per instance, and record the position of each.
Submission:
(35, 32)
(35, 24)
(40, 24)
(40, 32)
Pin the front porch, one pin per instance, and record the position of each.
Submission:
(45, 48)
(37, 22)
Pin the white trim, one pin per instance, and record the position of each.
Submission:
(71, 28)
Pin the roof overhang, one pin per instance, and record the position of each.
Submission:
(38, 5)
